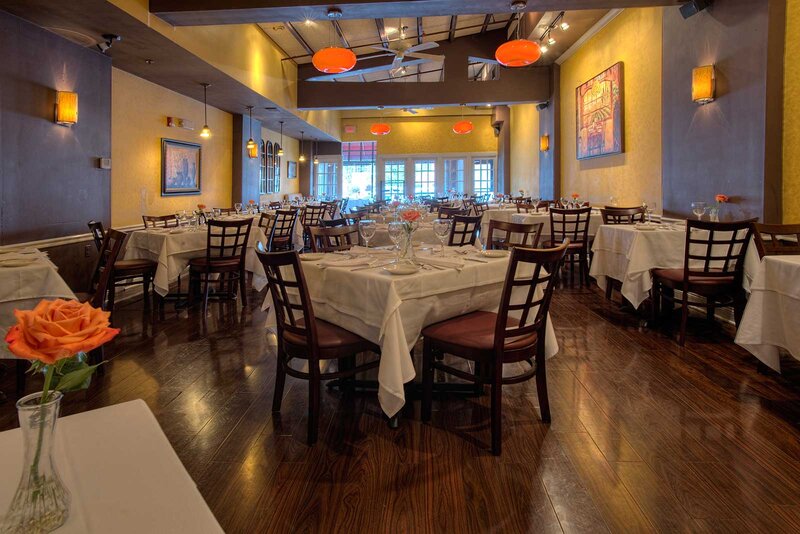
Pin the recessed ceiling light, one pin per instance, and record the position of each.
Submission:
(518, 5)
(544, 49)
(564, 26)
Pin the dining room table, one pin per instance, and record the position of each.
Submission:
(358, 291)
(172, 248)
(629, 252)
(771, 320)
(121, 471)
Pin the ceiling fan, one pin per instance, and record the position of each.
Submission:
(403, 58)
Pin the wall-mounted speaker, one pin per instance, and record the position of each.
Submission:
(694, 7)
(542, 106)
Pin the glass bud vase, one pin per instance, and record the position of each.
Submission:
(406, 245)
(713, 214)
(41, 502)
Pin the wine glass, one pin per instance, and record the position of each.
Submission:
(650, 208)
(367, 229)
(238, 208)
(397, 235)
(536, 201)
(699, 209)
(441, 228)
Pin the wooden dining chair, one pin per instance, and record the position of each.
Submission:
(343, 221)
(223, 263)
(713, 268)
(303, 337)
(479, 208)
(544, 204)
(333, 238)
(227, 211)
(283, 230)
(266, 221)
(343, 205)
(128, 272)
(159, 221)
(506, 235)
(526, 208)
(467, 204)
(776, 239)
(311, 216)
(572, 225)
(449, 213)
(613, 215)
(464, 230)
(514, 335)
(331, 208)
(275, 205)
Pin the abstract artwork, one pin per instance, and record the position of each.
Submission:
(180, 168)
(599, 109)
(291, 169)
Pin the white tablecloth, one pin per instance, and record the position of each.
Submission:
(173, 251)
(626, 254)
(772, 317)
(503, 215)
(392, 310)
(121, 472)
(423, 234)
(22, 287)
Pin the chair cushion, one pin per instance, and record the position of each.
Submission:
(475, 332)
(123, 266)
(330, 338)
(675, 276)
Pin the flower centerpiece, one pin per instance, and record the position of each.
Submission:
(410, 219)
(251, 206)
(55, 336)
(201, 213)
(721, 201)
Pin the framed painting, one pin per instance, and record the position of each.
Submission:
(180, 168)
(291, 169)
(599, 110)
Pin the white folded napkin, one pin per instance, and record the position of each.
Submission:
(371, 251)
(351, 262)
(450, 263)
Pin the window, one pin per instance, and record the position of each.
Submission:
(394, 179)
(274, 185)
(358, 169)
(483, 176)
(424, 177)
(454, 176)
(326, 179)
(262, 168)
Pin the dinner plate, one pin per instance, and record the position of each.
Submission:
(494, 253)
(16, 262)
(178, 231)
(312, 256)
(401, 269)
(646, 227)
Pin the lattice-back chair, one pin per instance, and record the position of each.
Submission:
(311, 216)
(283, 230)
(223, 264)
(227, 211)
(522, 200)
(333, 238)
(467, 203)
(777, 239)
(331, 208)
(515, 335)
(449, 213)
(343, 205)
(159, 221)
(525, 208)
(572, 224)
(464, 230)
(613, 215)
(544, 204)
(98, 234)
(301, 336)
(275, 205)
(266, 222)
(506, 235)
(713, 267)
(342, 221)
(479, 208)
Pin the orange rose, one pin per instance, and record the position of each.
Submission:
(58, 329)
(721, 198)
(201, 206)
(251, 201)
(410, 215)
(575, 196)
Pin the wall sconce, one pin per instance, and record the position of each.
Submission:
(544, 143)
(66, 108)
(703, 84)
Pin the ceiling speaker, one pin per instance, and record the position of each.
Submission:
(694, 7)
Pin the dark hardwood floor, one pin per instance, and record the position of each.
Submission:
(646, 435)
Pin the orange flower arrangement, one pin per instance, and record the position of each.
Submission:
(251, 201)
(721, 199)
(575, 196)
(410, 216)
(201, 206)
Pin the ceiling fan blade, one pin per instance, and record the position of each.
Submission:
(429, 57)
(474, 59)
(422, 46)
(373, 56)
(396, 62)
(381, 48)
(368, 70)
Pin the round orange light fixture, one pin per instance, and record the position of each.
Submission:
(463, 127)
(380, 128)
(518, 53)
(334, 60)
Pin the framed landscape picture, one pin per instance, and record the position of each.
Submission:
(180, 168)
(291, 169)
(599, 110)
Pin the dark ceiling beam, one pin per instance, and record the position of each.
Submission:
(343, 39)
(205, 12)
(382, 32)
(419, 30)
(299, 38)
(510, 23)
(453, 26)
(486, 21)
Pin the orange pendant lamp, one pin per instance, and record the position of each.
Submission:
(334, 60)
(463, 127)
(380, 128)
(518, 53)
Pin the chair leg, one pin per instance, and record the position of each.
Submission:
(496, 407)
(427, 379)
(146, 291)
(541, 383)
(739, 304)
(684, 318)
(243, 286)
(112, 292)
(280, 381)
(710, 310)
(314, 385)
(206, 287)
(655, 297)
(609, 288)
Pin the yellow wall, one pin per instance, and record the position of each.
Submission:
(791, 109)
(525, 149)
(633, 37)
(425, 135)
(139, 110)
(291, 149)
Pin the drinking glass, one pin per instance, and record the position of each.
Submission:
(441, 227)
(650, 208)
(397, 235)
(367, 229)
(699, 209)
(536, 201)
(238, 208)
